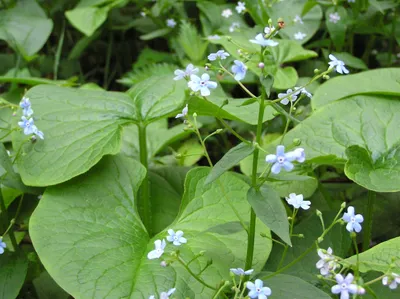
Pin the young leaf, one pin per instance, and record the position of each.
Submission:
(230, 159)
(270, 210)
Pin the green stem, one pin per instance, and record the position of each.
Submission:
(202, 143)
(58, 52)
(220, 289)
(354, 237)
(10, 229)
(291, 233)
(252, 228)
(108, 59)
(232, 131)
(240, 83)
(368, 219)
(182, 262)
(144, 188)
(391, 41)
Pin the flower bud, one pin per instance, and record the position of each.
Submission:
(195, 114)
(14, 113)
(276, 113)
(261, 65)
(360, 290)
(202, 252)
(319, 214)
(219, 131)
(319, 240)
(229, 38)
(178, 156)
(316, 71)
(226, 102)
(163, 264)
(301, 236)
(206, 67)
(325, 77)
(343, 205)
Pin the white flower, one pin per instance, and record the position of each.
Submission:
(334, 17)
(297, 18)
(303, 91)
(183, 114)
(158, 250)
(260, 40)
(340, 66)
(297, 201)
(300, 35)
(327, 263)
(143, 14)
(201, 84)
(177, 238)
(344, 286)
(234, 26)
(351, 1)
(291, 98)
(240, 271)
(269, 30)
(240, 7)
(239, 69)
(353, 221)
(171, 23)
(220, 54)
(392, 280)
(284, 160)
(214, 37)
(226, 13)
(190, 70)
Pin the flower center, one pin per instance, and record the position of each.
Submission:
(28, 124)
(176, 238)
(202, 83)
(281, 159)
(343, 286)
(258, 290)
(352, 219)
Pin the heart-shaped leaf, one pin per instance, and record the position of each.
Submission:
(89, 237)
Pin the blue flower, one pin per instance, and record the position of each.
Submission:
(220, 54)
(240, 271)
(177, 238)
(201, 84)
(27, 125)
(2, 245)
(185, 111)
(190, 70)
(158, 251)
(164, 295)
(327, 263)
(25, 104)
(344, 286)
(257, 290)
(171, 23)
(282, 159)
(260, 40)
(239, 69)
(303, 91)
(392, 280)
(353, 221)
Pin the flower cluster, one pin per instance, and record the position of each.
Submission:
(327, 263)
(262, 41)
(27, 122)
(391, 280)
(175, 238)
(284, 160)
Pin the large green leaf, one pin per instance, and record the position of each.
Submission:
(14, 267)
(370, 125)
(300, 290)
(80, 126)
(89, 237)
(380, 81)
(269, 209)
(25, 27)
(288, 10)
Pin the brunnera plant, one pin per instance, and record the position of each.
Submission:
(106, 225)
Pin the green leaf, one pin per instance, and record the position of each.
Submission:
(380, 174)
(300, 290)
(288, 10)
(89, 237)
(349, 60)
(380, 81)
(140, 74)
(166, 190)
(47, 288)
(14, 267)
(80, 47)
(79, 125)
(191, 42)
(379, 258)
(269, 208)
(288, 183)
(337, 30)
(157, 97)
(212, 12)
(25, 27)
(191, 152)
(230, 159)
(285, 77)
(155, 34)
(266, 82)
(233, 110)
(290, 51)
(87, 19)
